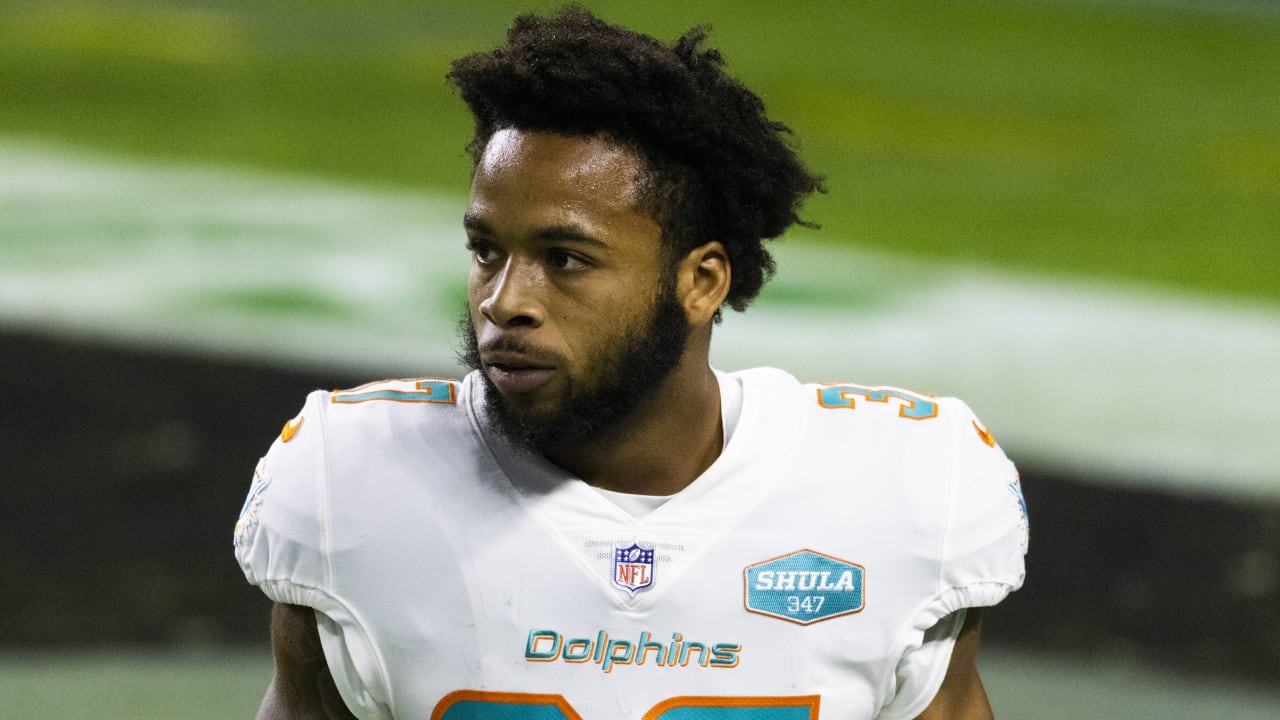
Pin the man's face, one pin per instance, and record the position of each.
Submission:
(572, 314)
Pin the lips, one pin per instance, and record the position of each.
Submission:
(518, 381)
(517, 374)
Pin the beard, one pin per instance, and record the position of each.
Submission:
(633, 365)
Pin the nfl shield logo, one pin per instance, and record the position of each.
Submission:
(632, 568)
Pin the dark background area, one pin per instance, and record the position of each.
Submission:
(123, 471)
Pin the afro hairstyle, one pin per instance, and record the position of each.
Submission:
(716, 168)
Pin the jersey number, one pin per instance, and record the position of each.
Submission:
(484, 705)
(412, 391)
(911, 405)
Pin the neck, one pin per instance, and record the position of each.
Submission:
(670, 440)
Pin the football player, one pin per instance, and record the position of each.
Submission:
(594, 523)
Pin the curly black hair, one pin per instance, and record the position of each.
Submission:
(716, 167)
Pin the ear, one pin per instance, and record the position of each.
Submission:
(703, 282)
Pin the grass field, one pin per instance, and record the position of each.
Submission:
(133, 685)
(1127, 140)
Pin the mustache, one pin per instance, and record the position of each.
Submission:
(471, 353)
(508, 347)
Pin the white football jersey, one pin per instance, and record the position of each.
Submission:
(456, 577)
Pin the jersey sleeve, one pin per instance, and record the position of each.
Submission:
(981, 561)
(280, 537)
(282, 542)
(986, 538)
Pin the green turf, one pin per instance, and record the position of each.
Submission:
(1075, 138)
(143, 685)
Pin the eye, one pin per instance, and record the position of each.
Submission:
(482, 251)
(565, 260)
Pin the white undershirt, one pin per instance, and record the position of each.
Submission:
(730, 410)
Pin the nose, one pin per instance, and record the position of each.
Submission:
(511, 296)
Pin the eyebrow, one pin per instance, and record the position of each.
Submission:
(568, 233)
(551, 233)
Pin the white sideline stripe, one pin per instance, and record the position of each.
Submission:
(1173, 390)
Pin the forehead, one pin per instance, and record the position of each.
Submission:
(574, 178)
(578, 156)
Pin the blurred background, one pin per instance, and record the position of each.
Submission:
(1065, 212)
